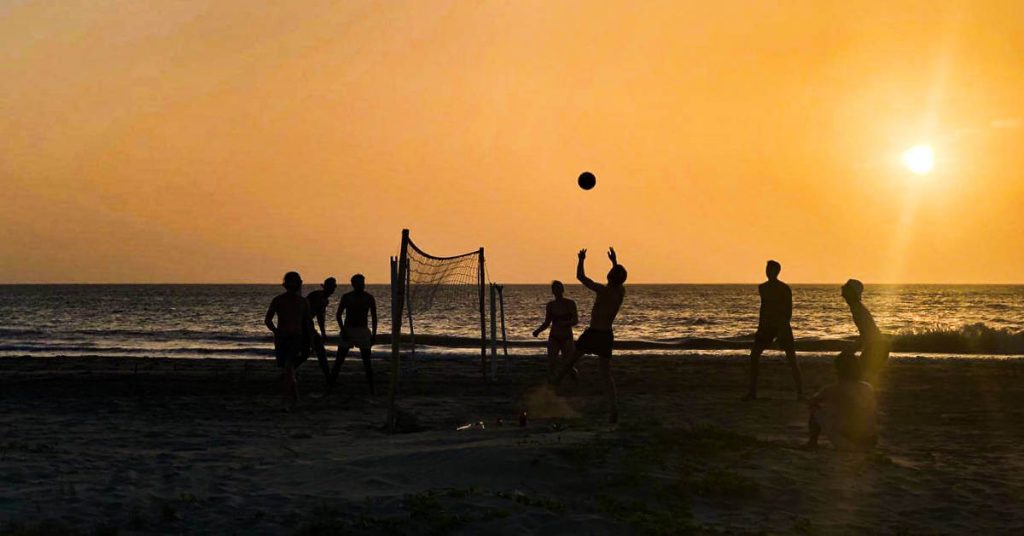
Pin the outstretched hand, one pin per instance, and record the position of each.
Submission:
(611, 256)
(582, 254)
(536, 332)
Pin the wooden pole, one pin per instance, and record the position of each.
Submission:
(397, 300)
(504, 334)
(408, 306)
(483, 318)
(494, 331)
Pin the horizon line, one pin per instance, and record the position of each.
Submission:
(547, 282)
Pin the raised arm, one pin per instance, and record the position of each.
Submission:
(269, 319)
(581, 273)
(546, 323)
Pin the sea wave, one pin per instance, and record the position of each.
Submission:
(968, 339)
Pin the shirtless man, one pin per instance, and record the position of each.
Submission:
(318, 301)
(773, 324)
(873, 345)
(291, 334)
(598, 339)
(845, 411)
(354, 331)
(560, 316)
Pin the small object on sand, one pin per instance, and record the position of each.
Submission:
(522, 418)
(477, 424)
(499, 422)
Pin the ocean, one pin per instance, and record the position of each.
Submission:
(227, 320)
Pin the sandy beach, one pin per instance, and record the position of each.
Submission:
(104, 446)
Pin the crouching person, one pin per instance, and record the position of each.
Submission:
(844, 411)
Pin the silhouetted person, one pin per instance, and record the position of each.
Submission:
(560, 315)
(356, 306)
(291, 334)
(845, 411)
(773, 325)
(873, 345)
(598, 339)
(318, 302)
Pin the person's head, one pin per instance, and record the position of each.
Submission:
(617, 275)
(557, 289)
(358, 282)
(329, 285)
(847, 366)
(292, 282)
(772, 269)
(852, 291)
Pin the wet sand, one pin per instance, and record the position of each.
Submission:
(99, 445)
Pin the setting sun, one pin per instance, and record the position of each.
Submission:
(920, 159)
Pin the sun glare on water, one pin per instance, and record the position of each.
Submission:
(919, 159)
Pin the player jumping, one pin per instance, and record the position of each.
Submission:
(598, 339)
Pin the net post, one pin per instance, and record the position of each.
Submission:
(494, 332)
(483, 318)
(398, 275)
(408, 306)
(504, 334)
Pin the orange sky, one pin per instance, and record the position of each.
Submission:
(184, 142)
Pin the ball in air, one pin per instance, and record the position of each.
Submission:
(587, 180)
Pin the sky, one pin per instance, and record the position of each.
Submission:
(231, 141)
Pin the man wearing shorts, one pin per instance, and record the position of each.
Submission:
(318, 302)
(773, 325)
(598, 339)
(292, 332)
(356, 306)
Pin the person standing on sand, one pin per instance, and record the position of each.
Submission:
(318, 301)
(774, 325)
(846, 411)
(560, 315)
(292, 333)
(873, 345)
(598, 339)
(354, 331)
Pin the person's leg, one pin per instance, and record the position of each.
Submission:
(291, 391)
(569, 366)
(368, 368)
(794, 369)
(336, 370)
(813, 431)
(755, 356)
(568, 349)
(553, 348)
(609, 386)
(321, 356)
(789, 345)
